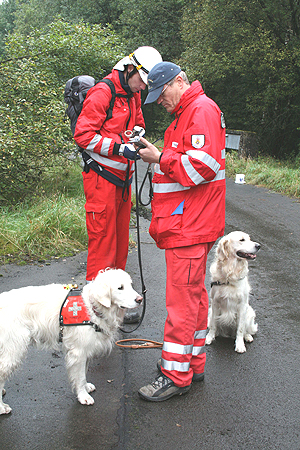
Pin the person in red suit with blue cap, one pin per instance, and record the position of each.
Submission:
(188, 216)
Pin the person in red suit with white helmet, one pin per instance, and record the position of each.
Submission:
(105, 143)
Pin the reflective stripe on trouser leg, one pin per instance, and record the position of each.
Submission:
(185, 329)
(107, 220)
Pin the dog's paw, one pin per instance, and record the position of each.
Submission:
(5, 409)
(248, 338)
(209, 338)
(85, 399)
(90, 387)
(240, 346)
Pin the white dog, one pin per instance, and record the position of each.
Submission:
(31, 315)
(230, 314)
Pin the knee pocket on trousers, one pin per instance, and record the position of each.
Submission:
(188, 266)
(96, 220)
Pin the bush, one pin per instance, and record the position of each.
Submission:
(35, 138)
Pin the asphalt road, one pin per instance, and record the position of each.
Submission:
(247, 401)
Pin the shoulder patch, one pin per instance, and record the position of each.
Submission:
(198, 140)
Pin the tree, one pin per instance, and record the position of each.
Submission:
(144, 22)
(7, 15)
(247, 55)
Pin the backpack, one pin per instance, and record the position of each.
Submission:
(75, 92)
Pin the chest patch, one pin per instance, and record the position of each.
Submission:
(174, 144)
(198, 140)
(73, 310)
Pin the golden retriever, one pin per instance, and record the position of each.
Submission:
(230, 314)
(32, 315)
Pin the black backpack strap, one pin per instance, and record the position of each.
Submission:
(111, 85)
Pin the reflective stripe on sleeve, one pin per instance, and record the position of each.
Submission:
(191, 171)
(105, 146)
(96, 139)
(220, 176)
(208, 160)
(200, 156)
(175, 365)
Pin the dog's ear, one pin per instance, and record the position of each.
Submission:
(99, 292)
(223, 249)
(104, 295)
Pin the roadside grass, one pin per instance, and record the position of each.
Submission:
(279, 176)
(52, 224)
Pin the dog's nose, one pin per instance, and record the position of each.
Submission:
(257, 246)
(139, 299)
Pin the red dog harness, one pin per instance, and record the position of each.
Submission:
(74, 312)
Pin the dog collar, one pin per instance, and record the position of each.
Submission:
(218, 283)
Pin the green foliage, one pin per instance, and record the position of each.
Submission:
(52, 227)
(247, 55)
(7, 15)
(49, 225)
(34, 136)
(144, 22)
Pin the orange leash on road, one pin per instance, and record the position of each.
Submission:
(147, 343)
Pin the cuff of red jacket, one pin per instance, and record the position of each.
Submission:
(116, 149)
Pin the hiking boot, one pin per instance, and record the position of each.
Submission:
(162, 389)
(196, 376)
(131, 317)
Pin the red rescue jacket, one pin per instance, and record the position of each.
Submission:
(97, 135)
(188, 205)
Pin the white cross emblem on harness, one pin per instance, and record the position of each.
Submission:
(75, 308)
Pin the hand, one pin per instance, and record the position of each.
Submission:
(150, 153)
(129, 152)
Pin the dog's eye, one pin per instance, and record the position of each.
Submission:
(121, 288)
(242, 240)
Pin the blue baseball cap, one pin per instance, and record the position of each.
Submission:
(159, 75)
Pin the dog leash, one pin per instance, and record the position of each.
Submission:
(147, 343)
(138, 195)
(144, 290)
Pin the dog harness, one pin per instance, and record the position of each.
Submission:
(74, 312)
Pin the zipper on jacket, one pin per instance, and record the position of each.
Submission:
(177, 119)
(129, 114)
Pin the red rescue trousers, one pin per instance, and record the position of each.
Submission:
(183, 352)
(107, 222)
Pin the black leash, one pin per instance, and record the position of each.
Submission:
(144, 290)
(138, 195)
(148, 175)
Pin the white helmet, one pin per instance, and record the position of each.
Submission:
(143, 59)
